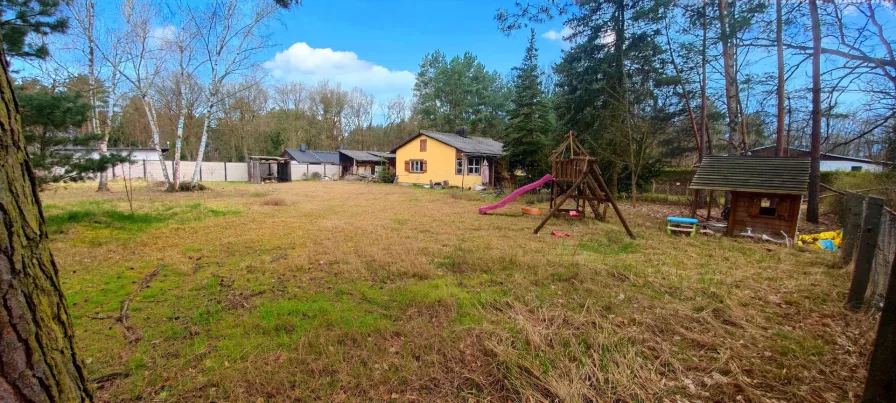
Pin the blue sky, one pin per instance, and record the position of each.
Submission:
(387, 40)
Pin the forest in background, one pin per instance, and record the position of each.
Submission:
(646, 84)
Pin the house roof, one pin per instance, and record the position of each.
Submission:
(382, 154)
(312, 156)
(470, 144)
(823, 155)
(753, 174)
(366, 156)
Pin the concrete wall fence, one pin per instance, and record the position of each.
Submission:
(215, 171)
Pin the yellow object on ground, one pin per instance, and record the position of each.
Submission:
(815, 240)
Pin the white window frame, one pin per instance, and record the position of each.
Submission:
(416, 166)
(474, 169)
(459, 166)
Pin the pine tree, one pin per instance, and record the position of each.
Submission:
(530, 118)
(49, 121)
(40, 362)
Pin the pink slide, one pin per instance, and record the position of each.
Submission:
(516, 193)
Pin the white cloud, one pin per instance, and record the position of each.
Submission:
(162, 34)
(554, 35)
(557, 36)
(301, 62)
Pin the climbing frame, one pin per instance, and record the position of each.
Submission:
(578, 179)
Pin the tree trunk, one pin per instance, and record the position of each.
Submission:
(201, 154)
(779, 37)
(39, 360)
(815, 140)
(151, 117)
(731, 104)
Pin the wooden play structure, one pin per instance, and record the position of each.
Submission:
(576, 178)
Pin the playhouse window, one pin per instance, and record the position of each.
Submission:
(459, 167)
(473, 166)
(417, 166)
(768, 206)
(422, 145)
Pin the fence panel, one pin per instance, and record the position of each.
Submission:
(883, 261)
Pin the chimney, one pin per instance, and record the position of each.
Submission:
(303, 148)
(461, 131)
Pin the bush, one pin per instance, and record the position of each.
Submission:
(386, 175)
(881, 184)
(315, 176)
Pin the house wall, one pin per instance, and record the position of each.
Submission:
(827, 166)
(743, 215)
(440, 164)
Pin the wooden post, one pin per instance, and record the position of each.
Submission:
(561, 201)
(880, 386)
(603, 185)
(851, 218)
(144, 170)
(695, 204)
(870, 231)
(709, 206)
(225, 171)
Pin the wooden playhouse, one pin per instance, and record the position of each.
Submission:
(766, 192)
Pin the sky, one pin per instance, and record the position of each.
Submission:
(378, 46)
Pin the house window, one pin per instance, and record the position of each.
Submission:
(856, 169)
(473, 166)
(768, 207)
(422, 145)
(417, 166)
(459, 167)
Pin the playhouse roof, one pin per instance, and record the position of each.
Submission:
(753, 174)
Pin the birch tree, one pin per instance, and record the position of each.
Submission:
(230, 36)
(83, 13)
(139, 64)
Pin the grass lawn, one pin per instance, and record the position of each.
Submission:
(359, 292)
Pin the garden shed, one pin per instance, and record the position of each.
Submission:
(264, 168)
(766, 192)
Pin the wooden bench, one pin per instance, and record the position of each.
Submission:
(681, 224)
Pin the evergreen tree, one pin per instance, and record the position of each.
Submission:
(530, 119)
(23, 19)
(460, 92)
(49, 122)
(41, 363)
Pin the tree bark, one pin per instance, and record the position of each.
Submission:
(731, 104)
(815, 139)
(39, 361)
(779, 37)
(153, 126)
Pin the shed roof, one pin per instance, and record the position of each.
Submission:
(312, 156)
(363, 156)
(753, 174)
(382, 154)
(470, 144)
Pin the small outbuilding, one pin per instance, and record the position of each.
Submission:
(766, 192)
(364, 162)
(268, 169)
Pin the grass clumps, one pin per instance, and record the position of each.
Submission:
(273, 201)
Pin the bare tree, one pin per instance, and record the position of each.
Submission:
(779, 39)
(815, 137)
(230, 38)
(289, 95)
(138, 62)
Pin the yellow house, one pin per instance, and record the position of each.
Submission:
(458, 159)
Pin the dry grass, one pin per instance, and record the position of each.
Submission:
(374, 292)
(273, 201)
